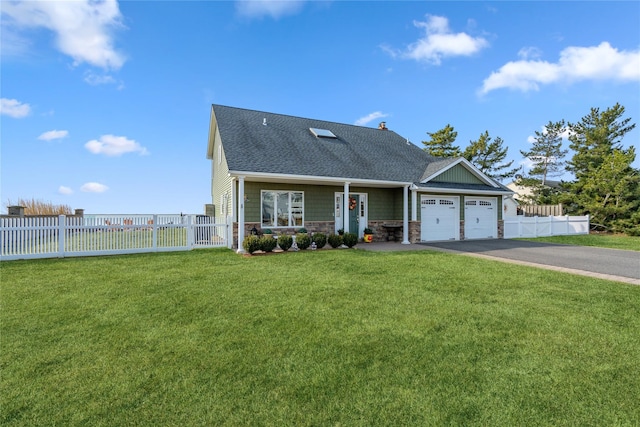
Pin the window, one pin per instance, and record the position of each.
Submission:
(282, 208)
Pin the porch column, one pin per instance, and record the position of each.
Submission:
(240, 214)
(345, 208)
(414, 205)
(405, 215)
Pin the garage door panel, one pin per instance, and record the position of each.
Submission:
(440, 218)
(480, 218)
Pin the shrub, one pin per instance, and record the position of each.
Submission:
(285, 242)
(302, 230)
(268, 243)
(303, 240)
(320, 239)
(350, 239)
(335, 240)
(368, 231)
(267, 231)
(251, 244)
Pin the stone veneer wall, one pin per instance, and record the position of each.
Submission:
(325, 227)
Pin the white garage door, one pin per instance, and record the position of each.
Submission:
(440, 218)
(480, 218)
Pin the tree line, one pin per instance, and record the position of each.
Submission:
(605, 185)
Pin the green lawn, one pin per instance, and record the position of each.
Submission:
(612, 241)
(333, 337)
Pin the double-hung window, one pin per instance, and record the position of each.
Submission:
(282, 208)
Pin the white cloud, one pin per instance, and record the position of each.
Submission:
(53, 134)
(83, 28)
(14, 108)
(602, 62)
(65, 190)
(95, 79)
(272, 8)
(439, 42)
(111, 145)
(93, 187)
(370, 117)
(529, 53)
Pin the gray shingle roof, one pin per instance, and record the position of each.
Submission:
(285, 145)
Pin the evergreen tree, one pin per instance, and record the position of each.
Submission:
(606, 186)
(441, 143)
(487, 156)
(594, 137)
(546, 153)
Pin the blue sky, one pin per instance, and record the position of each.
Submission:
(105, 105)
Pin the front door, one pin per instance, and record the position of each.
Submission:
(354, 214)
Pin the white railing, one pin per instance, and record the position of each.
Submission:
(540, 226)
(62, 236)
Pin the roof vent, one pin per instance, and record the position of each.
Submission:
(264, 121)
(322, 133)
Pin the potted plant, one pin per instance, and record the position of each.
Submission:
(368, 235)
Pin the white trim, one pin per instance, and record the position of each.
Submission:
(240, 214)
(470, 167)
(289, 213)
(279, 177)
(423, 190)
(405, 215)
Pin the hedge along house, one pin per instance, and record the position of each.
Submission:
(280, 172)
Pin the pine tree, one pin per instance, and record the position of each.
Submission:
(606, 186)
(546, 153)
(441, 143)
(594, 137)
(487, 156)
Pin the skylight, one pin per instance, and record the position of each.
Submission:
(322, 133)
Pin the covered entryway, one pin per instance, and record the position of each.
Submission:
(440, 218)
(480, 218)
(357, 212)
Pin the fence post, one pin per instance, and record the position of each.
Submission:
(154, 233)
(61, 234)
(190, 232)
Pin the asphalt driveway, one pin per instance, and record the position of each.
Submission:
(610, 264)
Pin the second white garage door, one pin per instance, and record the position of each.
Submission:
(480, 218)
(440, 218)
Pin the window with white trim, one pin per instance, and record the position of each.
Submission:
(282, 208)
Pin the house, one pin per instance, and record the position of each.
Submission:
(523, 192)
(283, 172)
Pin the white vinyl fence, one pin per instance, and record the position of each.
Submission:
(540, 226)
(62, 236)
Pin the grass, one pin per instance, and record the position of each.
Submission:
(334, 337)
(612, 241)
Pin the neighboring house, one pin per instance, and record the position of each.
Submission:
(523, 192)
(510, 207)
(283, 172)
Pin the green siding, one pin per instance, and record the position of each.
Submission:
(220, 180)
(383, 203)
(459, 175)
